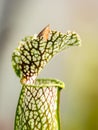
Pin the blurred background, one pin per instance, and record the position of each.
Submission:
(77, 66)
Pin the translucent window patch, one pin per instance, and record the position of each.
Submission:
(34, 52)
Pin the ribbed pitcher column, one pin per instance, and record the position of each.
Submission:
(38, 106)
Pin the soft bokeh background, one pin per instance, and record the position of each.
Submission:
(77, 67)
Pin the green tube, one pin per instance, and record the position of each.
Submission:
(38, 106)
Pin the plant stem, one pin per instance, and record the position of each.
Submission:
(38, 106)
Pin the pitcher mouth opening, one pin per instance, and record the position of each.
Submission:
(44, 82)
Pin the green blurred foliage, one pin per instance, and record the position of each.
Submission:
(82, 94)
